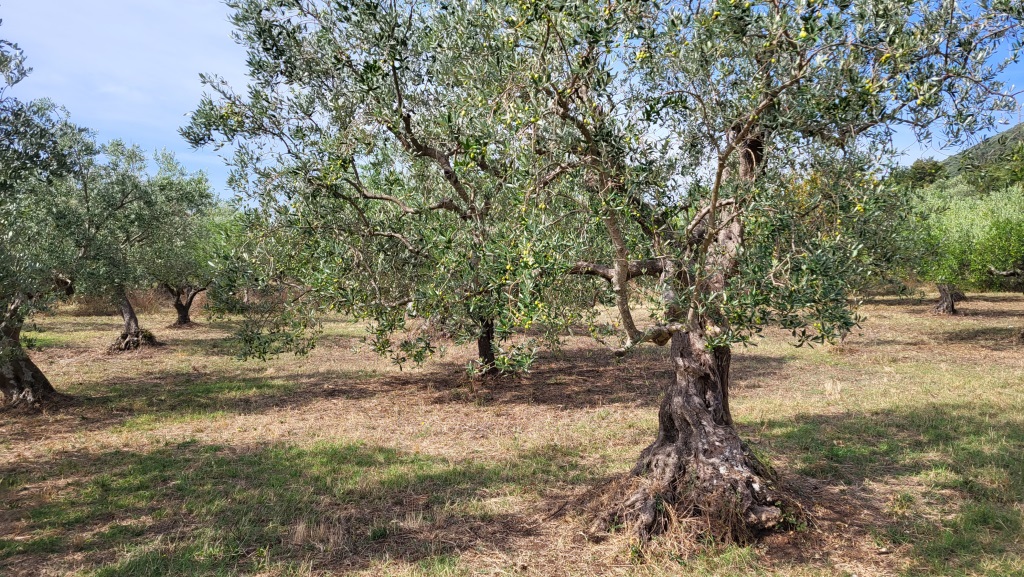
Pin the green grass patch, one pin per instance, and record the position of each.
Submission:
(967, 447)
(240, 503)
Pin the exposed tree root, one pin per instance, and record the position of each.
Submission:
(28, 403)
(698, 472)
(23, 386)
(132, 341)
(710, 499)
(184, 326)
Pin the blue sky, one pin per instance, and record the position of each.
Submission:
(127, 69)
(130, 69)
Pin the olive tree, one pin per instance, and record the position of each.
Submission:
(729, 154)
(970, 239)
(93, 228)
(186, 272)
(28, 130)
(365, 134)
(119, 220)
(180, 259)
(776, 117)
(36, 268)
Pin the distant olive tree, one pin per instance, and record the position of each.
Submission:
(403, 199)
(971, 240)
(120, 220)
(925, 171)
(74, 217)
(181, 259)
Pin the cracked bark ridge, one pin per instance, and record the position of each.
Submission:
(485, 348)
(23, 384)
(697, 466)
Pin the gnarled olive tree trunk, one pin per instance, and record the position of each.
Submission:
(183, 299)
(949, 295)
(132, 336)
(698, 465)
(22, 383)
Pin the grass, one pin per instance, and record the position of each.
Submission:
(904, 443)
(247, 507)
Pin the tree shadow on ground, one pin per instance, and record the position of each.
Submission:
(572, 378)
(994, 297)
(183, 394)
(974, 306)
(192, 508)
(968, 313)
(580, 378)
(991, 338)
(92, 324)
(882, 343)
(753, 370)
(901, 302)
(945, 482)
(940, 484)
(967, 308)
(199, 341)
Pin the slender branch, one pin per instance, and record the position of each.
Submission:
(635, 269)
(701, 215)
(407, 137)
(1014, 272)
(658, 334)
(553, 175)
(620, 277)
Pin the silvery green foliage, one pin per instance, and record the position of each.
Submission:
(428, 164)
(76, 216)
(825, 82)
(188, 260)
(115, 217)
(95, 227)
(970, 237)
(366, 141)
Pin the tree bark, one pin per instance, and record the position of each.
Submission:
(22, 383)
(184, 319)
(183, 299)
(485, 348)
(698, 466)
(132, 336)
(949, 295)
